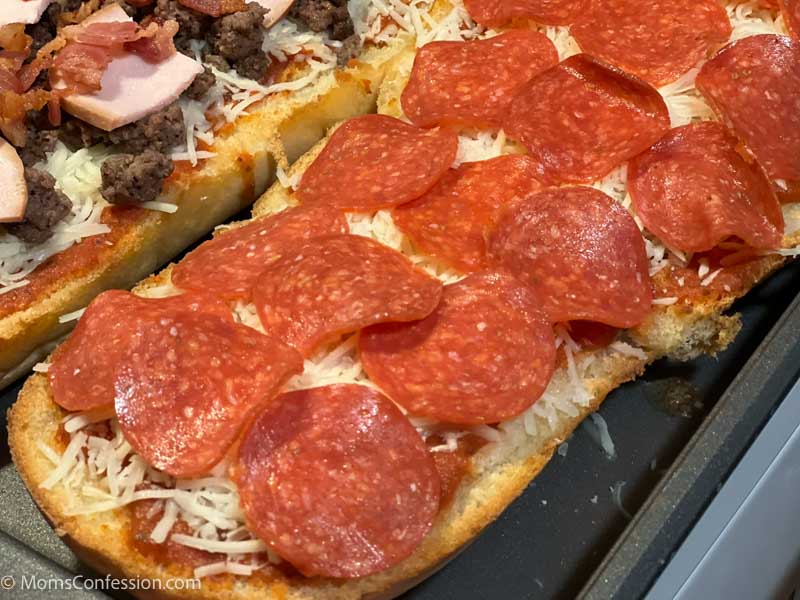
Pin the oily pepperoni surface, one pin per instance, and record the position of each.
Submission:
(374, 162)
(754, 86)
(484, 356)
(340, 284)
(229, 264)
(658, 43)
(581, 252)
(337, 481)
(450, 221)
(694, 190)
(494, 13)
(472, 83)
(582, 118)
(191, 383)
(791, 13)
(84, 367)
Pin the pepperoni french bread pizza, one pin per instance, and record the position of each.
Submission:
(131, 129)
(330, 399)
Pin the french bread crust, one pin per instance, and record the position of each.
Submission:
(275, 132)
(500, 472)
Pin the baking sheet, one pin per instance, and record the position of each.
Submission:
(556, 535)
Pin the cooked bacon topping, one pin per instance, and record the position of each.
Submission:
(13, 38)
(107, 35)
(214, 8)
(13, 107)
(157, 47)
(79, 67)
(9, 82)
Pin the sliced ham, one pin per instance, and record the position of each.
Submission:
(131, 87)
(13, 190)
(22, 11)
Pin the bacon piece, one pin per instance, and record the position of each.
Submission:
(14, 39)
(106, 34)
(157, 47)
(13, 107)
(79, 68)
(214, 8)
(9, 80)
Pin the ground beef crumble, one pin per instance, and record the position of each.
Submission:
(201, 84)
(46, 207)
(39, 143)
(325, 15)
(160, 131)
(132, 179)
(238, 38)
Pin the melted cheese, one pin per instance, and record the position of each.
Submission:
(210, 505)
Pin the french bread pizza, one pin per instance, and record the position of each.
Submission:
(332, 398)
(131, 129)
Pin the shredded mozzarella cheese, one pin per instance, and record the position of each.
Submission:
(104, 474)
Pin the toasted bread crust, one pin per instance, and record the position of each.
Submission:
(275, 132)
(104, 541)
(500, 473)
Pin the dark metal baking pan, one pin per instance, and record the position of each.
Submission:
(551, 542)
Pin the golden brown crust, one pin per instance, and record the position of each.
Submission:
(104, 541)
(501, 471)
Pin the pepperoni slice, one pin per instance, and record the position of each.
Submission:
(340, 284)
(337, 481)
(658, 44)
(472, 83)
(582, 118)
(190, 384)
(694, 190)
(484, 356)
(229, 264)
(449, 222)
(374, 162)
(494, 13)
(791, 13)
(581, 252)
(754, 86)
(84, 367)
